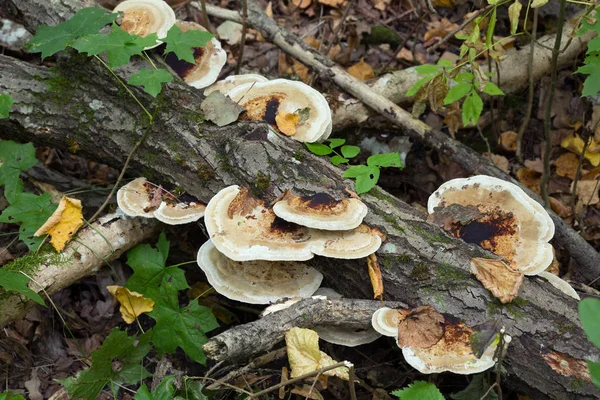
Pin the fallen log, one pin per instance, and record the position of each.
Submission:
(420, 263)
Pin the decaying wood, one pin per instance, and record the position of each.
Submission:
(420, 263)
(91, 249)
(245, 341)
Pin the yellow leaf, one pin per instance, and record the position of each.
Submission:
(538, 3)
(574, 144)
(375, 275)
(514, 11)
(361, 70)
(287, 122)
(304, 354)
(133, 304)
(63, 223)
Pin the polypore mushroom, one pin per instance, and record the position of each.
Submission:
(143, 17)
(321, 211)
(385, 321)
(256, 282)
(352, 244)
(263, 101)
(225, 85)
(178, 213)
(508, 223)
(560, 284)
(210, 59)
(135, 199)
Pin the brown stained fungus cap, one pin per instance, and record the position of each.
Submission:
(352, 244)
(263, 101)
(257, 282)
(135, 199)
(176, 213)
(210, 59)
(511, 224)
(143, 17)
(225, 85)
(321, 211)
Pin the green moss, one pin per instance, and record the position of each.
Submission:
(389, 219)
(299, 154)
(450, 276)
(194, 117)
(420, 272)
(178, 191)
(261, 184)
(431, 238)
(514, 308)
(378, 194)
(388, 260)
(225, 163)
(59, 88)
(204, 172)
(564, 327)
(577, 384)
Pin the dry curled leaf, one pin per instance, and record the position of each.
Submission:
(63, 223)
(508, 140)
(587, 192)
(421, 328)
(133, 304)
(566, 165)
(375, 275)
(287, 122)
(439, 28)
(575, 144)
(499, 161)
(497, 277)
(530, 178)
(220, 109)
(362, 71)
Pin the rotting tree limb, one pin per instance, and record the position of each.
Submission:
(588, 259)
(420, 263)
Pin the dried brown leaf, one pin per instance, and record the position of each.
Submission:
(497, 277)
(375, 275)
(508, 140)
(422, 328)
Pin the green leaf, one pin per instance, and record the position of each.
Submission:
(11, 396)
(350, 151)
(116, 362)
(445, 63)
(415, 88)
(181, 327)
(355, 171)
(489, 36)
(16, 281)
(49, 40)
(464, 77)
(182, 43)
(149, 271)
(366, 177)
(319, 149)
(31, 212)
(164, 391)
(475, 390)
(594, 372)
(591, 86)
(427, 69)
(385, 160)
(337, 160)
(514, 11)
(119, 45)
(14, 158)
(492, 89)
(457, 92)
(6, 102)
(333, 143)
(192, 390)
(419, 390)
(589, 313)
(472, 108)
(151, 80)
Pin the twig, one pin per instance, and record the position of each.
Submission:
(401, 46)
(298, 379)
(460, 27)
(352, 377)
(243, 41)
(547, 121)
(206, 22)
(334, 35)
(527, 116)
(488, 391)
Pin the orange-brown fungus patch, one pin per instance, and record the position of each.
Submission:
(264, 108)
(136, 22)
(566, 365)
(243, 203)
(421, 329)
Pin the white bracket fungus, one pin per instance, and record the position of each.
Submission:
(142, 17)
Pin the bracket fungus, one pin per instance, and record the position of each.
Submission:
(209, 60)
(225, 85)
(244, 228)
(560, 284)
(321, 211)
(509, 224)
(264, 101)
(142, 17)
(257, 282)
(135, 198)
(179, 213)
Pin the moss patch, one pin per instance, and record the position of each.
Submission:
(514, 308)
(420, 272)
(261, 184)
(450, 276)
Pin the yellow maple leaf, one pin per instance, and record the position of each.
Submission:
(304, 354)
(133, 304)
(287, 122)
(574, 144)
(63, 223)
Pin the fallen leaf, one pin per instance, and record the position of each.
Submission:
(300, 3)
(287, 122)
(220, 109)
(133, 304)
(443, 3)
(332, 3)
(530, 178)
(381, 5)
(231, 32)
(587, 192)
(497, 277)
(453, 119)
(508, 140)
(439, 29)
(575, 144)
(499, 161)
(537, 165)
(307, 392)
(421, 328)
(375, 275)
(560, 208)
(304, 354)
(63, 223)
(362, 71)
(566, 165)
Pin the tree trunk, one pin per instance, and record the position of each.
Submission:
(78, 105)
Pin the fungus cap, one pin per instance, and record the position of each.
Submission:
(512, 224)
(346, 336)
(173, 213)
(560, 284)
(135, 198)
(328, 293)
(142, 17)
(385, 321)
(210, 59)
(321, 211)
(243, 229)
(264, 100)
(256, 282)
(352, 244)
(225, 85)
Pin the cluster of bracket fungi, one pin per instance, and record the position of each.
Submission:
(256, 250)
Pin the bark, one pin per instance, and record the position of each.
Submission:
(78, 102)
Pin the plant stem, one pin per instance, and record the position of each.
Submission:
(244, 29)
(527, 116)
(547, 121)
